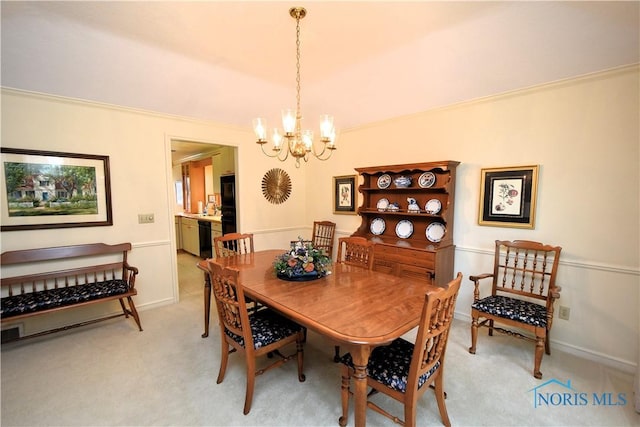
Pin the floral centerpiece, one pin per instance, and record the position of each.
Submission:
(302, 262)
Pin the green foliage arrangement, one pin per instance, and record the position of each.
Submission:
(302, 260)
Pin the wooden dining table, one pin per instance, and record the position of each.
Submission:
(353, 307)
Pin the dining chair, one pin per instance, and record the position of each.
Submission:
(523, 290)
(264, 332)
(403, 370)
(233, 244)
(323, 235)
(356, 251)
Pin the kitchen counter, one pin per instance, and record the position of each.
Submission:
(201, 217)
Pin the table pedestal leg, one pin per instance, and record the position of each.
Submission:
(360, 355)
(207, 304)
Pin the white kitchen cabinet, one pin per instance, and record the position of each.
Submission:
(224, 163)
(216, 162)
(216, 231)
(190, 235)
(227, 161)
(178, 233)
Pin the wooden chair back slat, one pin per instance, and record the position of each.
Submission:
(230, 301)
(62, 252)
(323, 236)
(433, 331)
(62, 278)
(525, 268)
(356, 251)
(233, 244)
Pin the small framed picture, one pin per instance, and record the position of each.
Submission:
(508, 196)
(344, 194)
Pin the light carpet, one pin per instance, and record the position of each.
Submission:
(110, 374)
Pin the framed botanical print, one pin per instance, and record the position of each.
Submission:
(344, 194)
(508, 196)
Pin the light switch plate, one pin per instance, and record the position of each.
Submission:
(564, 312)
(145, 218)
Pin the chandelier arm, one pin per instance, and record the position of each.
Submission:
(286, 155)
(267, 154)
(277, 154)
(318, 156)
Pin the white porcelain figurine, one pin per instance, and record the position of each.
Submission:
(413, 205)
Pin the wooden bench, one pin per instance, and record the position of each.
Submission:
(93, 282)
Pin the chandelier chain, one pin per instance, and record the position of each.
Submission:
(298, 115)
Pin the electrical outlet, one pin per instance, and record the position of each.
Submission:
(563, 313)
(145, 218)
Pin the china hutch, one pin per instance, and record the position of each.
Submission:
(407, 211)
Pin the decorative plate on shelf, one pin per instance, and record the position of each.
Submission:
(427, 180)
(435, 232)
(404, 229)
(382, 204)
(384, 181)
(433, 206)
(377, 226)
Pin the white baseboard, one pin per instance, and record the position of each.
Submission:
(603, 359)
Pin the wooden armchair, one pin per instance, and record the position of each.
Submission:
(323, 235)
(233, 244)
(261, 333)
(522, 294)
(404, 371)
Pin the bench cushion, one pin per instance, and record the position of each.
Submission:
(51, 298)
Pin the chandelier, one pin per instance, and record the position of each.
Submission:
(294, 140)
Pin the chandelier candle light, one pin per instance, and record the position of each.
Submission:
(298, 142)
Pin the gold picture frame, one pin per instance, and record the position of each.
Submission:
(508, 196)
(345, 195)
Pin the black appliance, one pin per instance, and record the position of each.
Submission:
(228, 203)
(204, 231)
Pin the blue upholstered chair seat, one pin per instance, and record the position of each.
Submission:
(267, 327)
(51, 298)
(514, 309)
(390, 364)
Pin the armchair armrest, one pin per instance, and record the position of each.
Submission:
(480, 277)
(476, 282)
(130, 274)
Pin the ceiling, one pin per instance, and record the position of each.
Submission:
(231, 61)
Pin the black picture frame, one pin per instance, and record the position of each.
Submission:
(344, 194)
(50, 189)
(508, 196)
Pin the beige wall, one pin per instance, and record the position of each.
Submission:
(138, 146)
(583, 133)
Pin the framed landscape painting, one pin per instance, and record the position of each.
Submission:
(48, 189)
(508, 196)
